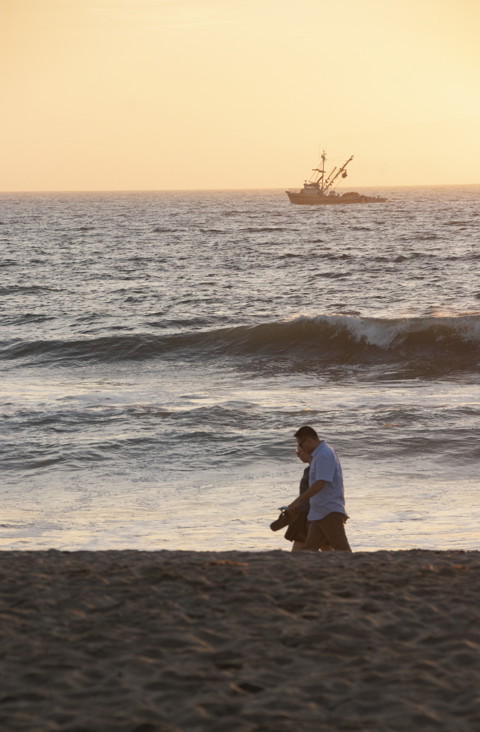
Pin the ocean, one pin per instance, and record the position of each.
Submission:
(159, 350)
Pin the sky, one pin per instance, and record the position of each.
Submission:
(234, 94)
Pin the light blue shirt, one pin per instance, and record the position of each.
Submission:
(326, 466)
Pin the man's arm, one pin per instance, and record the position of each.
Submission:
(314, 488)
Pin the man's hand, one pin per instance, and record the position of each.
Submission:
(294, 505)
(315, 488)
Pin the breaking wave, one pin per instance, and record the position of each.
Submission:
(443, 344)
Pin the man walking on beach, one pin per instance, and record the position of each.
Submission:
(327, 514)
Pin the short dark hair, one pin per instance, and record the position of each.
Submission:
(304, 432)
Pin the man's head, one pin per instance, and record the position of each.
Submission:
(307, 439)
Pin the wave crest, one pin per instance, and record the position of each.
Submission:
(443, 342)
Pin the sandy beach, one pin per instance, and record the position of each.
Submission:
(168, 641)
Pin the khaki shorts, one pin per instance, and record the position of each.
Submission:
(329, 529)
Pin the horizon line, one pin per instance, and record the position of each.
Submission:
(219, 190)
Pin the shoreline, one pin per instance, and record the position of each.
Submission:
(128, 640)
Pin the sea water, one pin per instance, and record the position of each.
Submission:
(159, 350)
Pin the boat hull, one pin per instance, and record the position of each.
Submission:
(320, 200)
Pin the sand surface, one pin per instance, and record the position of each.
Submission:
(144, 641)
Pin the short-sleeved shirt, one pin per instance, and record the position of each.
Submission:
(326, 466)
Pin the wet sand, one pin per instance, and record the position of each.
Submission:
(265, 642)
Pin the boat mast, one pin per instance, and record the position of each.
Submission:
(320, 178)
(324, 157)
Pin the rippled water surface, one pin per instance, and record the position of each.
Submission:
(158, 350)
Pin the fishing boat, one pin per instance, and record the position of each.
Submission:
(319, 190)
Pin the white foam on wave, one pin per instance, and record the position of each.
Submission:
(383, 332)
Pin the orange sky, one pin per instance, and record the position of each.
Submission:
(200, 94)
